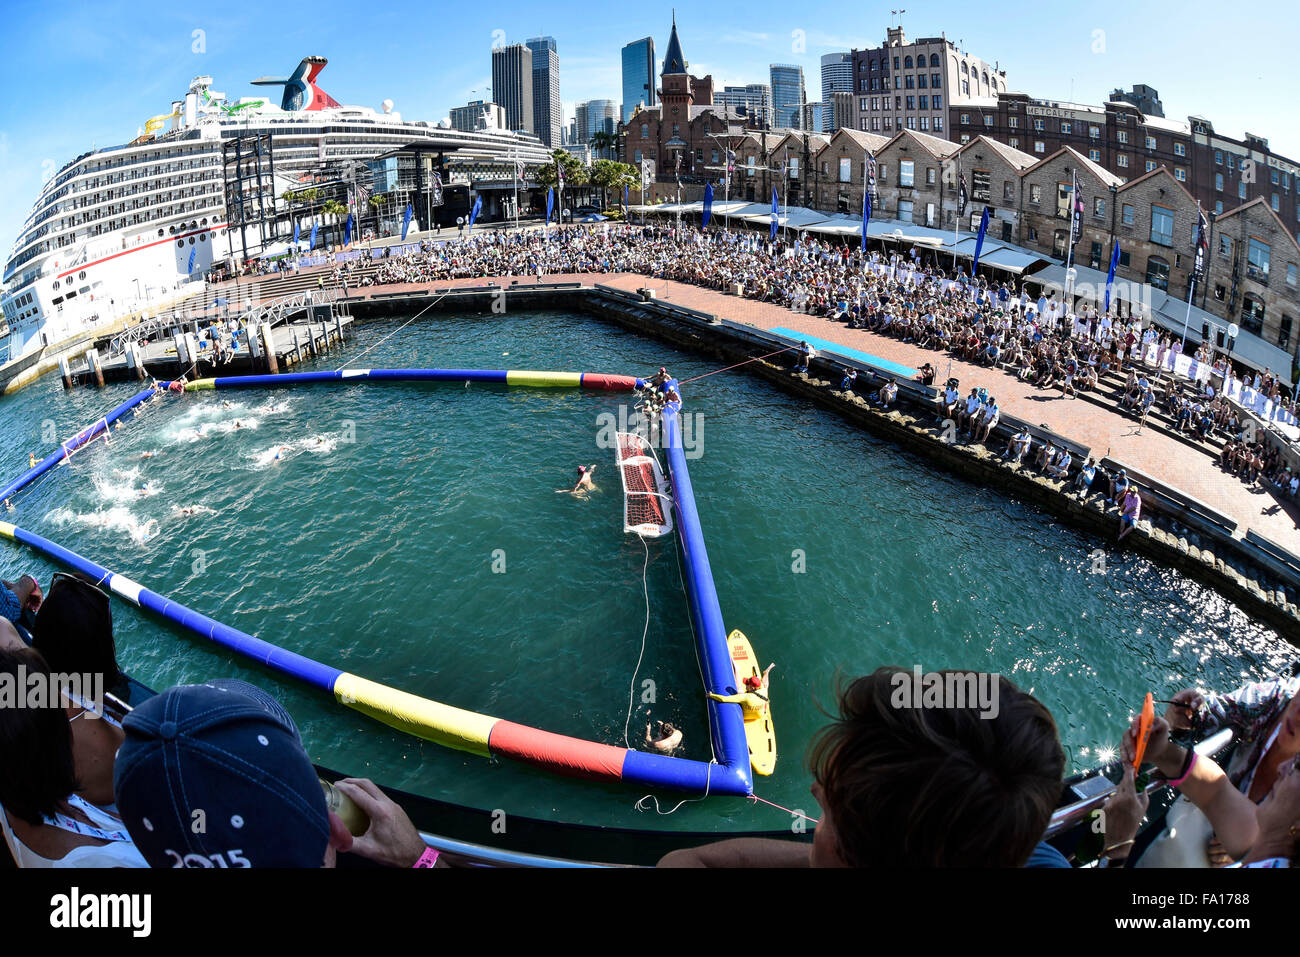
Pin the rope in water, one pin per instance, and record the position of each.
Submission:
(398, 329)
(631, 688)
(790, 811)
(739, 364)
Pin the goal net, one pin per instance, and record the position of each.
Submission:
(647, 505)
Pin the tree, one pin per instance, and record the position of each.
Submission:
(576, 174)
(603, 142)
(336, 209)
(377, 204)
(611, 177)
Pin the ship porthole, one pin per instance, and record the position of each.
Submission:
(203, 238)
(191, 240)
(180, 243)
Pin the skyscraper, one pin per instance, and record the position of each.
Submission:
(512, 84)
(547, 114)
(837, 77)
(638, 76)
(788, 95)
(755, 99)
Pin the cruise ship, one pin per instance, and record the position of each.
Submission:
(120, 228)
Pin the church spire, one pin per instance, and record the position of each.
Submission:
(674, 62)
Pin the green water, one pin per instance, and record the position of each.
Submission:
(373, 551)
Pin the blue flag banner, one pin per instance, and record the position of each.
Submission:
(473, 213)
(1110, 276)
(625, 200)
(866, 215)
(550, 204)
(311, 240)
(347, 231)
(192, 252)
(295, 234)
(776, 213)
(406, 220)
(708, 204)
(979, 242)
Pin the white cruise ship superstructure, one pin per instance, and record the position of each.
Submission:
(119, 228)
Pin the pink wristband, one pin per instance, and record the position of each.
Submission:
(1186, 774)
(427, 859)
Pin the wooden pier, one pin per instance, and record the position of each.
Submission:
(267, 342)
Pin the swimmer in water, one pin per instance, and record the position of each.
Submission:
(280, 451)
(226, 404)
(237, 425)
(147, 455)
(9, 506)
(666, 738)
(31, 460)
(584, 486)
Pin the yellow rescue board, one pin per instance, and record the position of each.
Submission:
(758, 730)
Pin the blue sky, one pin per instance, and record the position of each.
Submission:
(75, 75)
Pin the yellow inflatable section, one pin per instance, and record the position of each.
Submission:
(544, 380)
(440, 723)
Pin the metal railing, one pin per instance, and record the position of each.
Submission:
(465, 854)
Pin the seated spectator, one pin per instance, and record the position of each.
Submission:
(1130, 511)
(229, 749)
(1060, 468)
(988, 420)
(887, 394)
(1118, 485)
(20, 601)
(1083, 484)
(907, 787)
(56, 772)
(1018, 446)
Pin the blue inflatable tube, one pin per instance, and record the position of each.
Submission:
(268, 654)
(729, 742)
(77, 441)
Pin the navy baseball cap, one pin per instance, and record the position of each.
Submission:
(215, 775)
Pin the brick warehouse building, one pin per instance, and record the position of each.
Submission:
(1223, 173)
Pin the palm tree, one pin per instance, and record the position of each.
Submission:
(602, 143)
(336, 209)
(376, 204)
(289, 196)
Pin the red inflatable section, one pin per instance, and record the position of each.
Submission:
(608, 383)
(556, 752)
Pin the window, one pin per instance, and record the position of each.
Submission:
(1151, 142)
(1008, 190)
(1094, 155)
(645, 131)
(1014, 143)
(1060, 241)
(1290, 274)
(1180, 149)
(1180, 174)
(1040, 126)
(1232, 161)
(1122, 160)
(1122, 136)
(905, 210)
(846, 169)
(895, 63)
(1013, 122)
(1036, 194)
(929, 176)
(1126, 214)
(1225, 246)
(1151, 165)
(1218, 157)
(1033, 234)
(936, 81)
(1157, 273)
(936, 102)
(934, 59)
(965, 119)
(1252, 314)
(911, 103)
(1065, 127)
(1273, 177)
(907, 63)
(1218, 182)
(938, 123)
(1241, 190)
(1257, 258)
(911, 122)
(1094, 132)
(1274, 203)
(1063, 191)
(981, 190)
(1162, 226)
(988, 120)
(909, 82)
(882, 172)
(1040, 146)
(925, 102)
(920, 81)
(1284, 333)
(1099, 207)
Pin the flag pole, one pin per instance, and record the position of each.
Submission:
(1191, 291)
(956, 220)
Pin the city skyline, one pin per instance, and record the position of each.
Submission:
(135, 65)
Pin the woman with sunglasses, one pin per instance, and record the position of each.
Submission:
(56, 778)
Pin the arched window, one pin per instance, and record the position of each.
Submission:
(907, 63)
(934, 60)
(986, 79)
(965, 70)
